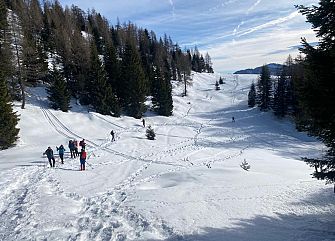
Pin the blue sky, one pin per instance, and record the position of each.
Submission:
(237, 34)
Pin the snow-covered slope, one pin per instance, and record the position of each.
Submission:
(185, 185)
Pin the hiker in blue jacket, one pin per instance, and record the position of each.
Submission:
(72, 149)
(61, 151)
(50, 155)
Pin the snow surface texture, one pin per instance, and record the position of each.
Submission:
(185, 185)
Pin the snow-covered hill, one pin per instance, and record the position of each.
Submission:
(185, 185)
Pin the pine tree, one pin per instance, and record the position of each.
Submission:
(279, 100)
(252, 95)
(134, 82)
(5, 52)
(112, 67)
(317, 90)
(58, 93)
(101, 94)
(217, 86)
(150, 133)
(8, 118)
(264, 91)
(245, 165)
(162, 91)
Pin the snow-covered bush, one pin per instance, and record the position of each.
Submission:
(150, 133)
(245, 165)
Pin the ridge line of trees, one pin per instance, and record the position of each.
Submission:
(113, 69)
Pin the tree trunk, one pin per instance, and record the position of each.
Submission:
(185, 84)
(22, 87)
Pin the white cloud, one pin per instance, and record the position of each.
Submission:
(253, 52)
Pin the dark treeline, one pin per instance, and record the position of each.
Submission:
(79, 54)
(305, 89)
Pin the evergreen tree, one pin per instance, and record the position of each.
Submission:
(134, 86)
(162, 94)
(5, 52)
(112, 67)
(217, 85)
(101, 94)
(58, 93)
(317, 90)
(252, 95)
(279, 100)
(8, 118)
(264, 91)
(150, 133)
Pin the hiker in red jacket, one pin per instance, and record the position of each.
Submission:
(83, 156)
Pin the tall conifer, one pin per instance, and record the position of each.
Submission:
(134, 82)
(8, 118)
(58, 93)
(264, 91)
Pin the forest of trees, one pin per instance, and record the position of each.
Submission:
(112, 69)
(305, 89)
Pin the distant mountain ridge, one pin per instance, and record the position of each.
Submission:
(274, 69)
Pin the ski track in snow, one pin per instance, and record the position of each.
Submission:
(109, 215)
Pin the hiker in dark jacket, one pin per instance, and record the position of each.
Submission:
(61, 151)
(112, 134)
(50, 155)
(75, 142)
(72, 148)
(83, 155)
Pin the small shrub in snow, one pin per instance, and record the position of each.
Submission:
(217, 86)
(245, 165)
(150, 133)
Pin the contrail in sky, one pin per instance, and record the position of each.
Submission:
(172, 5)
(253, 6)
(247, 13)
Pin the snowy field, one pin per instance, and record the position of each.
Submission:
(185, 185)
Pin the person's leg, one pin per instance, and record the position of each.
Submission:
(50, 161)
(54, 161)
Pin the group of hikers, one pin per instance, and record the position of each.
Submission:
(73, 147)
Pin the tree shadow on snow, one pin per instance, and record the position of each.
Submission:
(277, 227)
(253, 128)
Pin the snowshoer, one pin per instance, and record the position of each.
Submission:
(82, 144)
(71, 147)
(233, 119)
(82, 159)
(50, 155)
(112, 134)
(61, 151)
(75, 143)
(143, 122)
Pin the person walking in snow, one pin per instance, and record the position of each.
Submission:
(75, 143)
(143, 122)
(50, 155)
(61, 151)
(83, 155)
(71, 147)
(82, 144)
(112, 134)
(233, 119)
